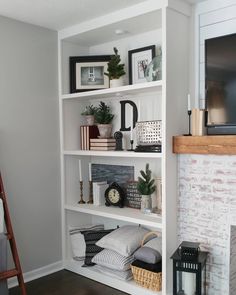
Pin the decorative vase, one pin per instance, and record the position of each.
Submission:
(153, 71)
(116, 83)
(146, 204)
(105, 130)
(89, 119)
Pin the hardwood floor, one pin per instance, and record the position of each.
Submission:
(65, 283)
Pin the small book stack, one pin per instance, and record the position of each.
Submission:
(99, 193)
(198, 122)
(86, 133)
(102, 144)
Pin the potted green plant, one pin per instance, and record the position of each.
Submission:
(89, 113)
(104, 117)
(115, 70)
(146, 187)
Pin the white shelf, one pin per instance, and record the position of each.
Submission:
(126, 90)
(123, 154)
(129, 287)
(124, 214)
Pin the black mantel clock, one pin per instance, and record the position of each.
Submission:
(114, 195)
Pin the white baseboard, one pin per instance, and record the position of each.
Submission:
(37, 273)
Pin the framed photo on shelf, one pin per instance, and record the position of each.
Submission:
(139, 59)
(87, 73)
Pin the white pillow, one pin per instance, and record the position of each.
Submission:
(77, 239)
(112, 260)
(124, 240)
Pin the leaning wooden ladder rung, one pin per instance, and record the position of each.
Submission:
(17, 271)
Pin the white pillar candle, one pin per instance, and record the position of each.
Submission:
(131, 127)
(80, 171)
(189, 283)
(189, 105)
(90, 172)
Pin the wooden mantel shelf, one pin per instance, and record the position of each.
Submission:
(219, 144)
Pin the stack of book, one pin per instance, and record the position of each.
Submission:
(86, 133)
(99, 193)
(102, 144)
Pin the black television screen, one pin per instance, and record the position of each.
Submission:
(221, 80)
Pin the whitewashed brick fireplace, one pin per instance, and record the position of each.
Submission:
(206, 211)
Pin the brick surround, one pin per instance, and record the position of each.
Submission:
(206, 209)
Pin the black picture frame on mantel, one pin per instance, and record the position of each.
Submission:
(138, 60)
(87, 73)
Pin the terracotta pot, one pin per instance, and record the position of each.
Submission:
(89, 119)
(146, 204)
(116, 83)
(105, 130)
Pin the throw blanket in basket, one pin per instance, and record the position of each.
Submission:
(3, 263)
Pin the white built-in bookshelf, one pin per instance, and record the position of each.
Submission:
(153, 22)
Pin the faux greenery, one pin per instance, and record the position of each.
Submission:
(145, 184)
(89, 110)
(103, 114)
(115, 69)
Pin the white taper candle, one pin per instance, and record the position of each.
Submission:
(80, 171)
(189, 105)
(90, 172)
(131, 127)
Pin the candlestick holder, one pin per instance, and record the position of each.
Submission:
(189, 123)
(90, 201)
(131, 146)
(81, 201)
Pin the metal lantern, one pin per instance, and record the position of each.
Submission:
(189, 270)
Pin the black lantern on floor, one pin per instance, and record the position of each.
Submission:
(189, 270)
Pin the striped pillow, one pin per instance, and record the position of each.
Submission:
(113, 260)
(77, 239)
(117, 274)
(91, 238)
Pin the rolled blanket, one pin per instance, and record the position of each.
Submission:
(3, 263)
(155, 267)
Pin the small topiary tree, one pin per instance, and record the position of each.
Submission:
(103, 114)
(114, 69)
(89, 110)
(146, 185)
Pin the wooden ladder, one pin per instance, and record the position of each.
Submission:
(17, 271)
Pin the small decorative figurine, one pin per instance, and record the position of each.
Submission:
(118, 137)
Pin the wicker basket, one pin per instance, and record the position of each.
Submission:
(146, 278)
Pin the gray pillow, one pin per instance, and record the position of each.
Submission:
(124, 240)
(155, 244)
(147, 255)
(113, 260)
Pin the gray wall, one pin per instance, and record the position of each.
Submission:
(29, 139)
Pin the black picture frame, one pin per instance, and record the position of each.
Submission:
(133, 67)
(77, 63)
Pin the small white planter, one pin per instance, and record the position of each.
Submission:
(146, 204)
(105, 130)
(116, 83)
(89, 119)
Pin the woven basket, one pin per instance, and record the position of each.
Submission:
(145, 278)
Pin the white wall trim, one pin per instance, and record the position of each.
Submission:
(212, 5)
(37, 273)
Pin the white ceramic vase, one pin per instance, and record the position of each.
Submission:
(116, 82)
(89, 119)
(146, 204)
(105, 130)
